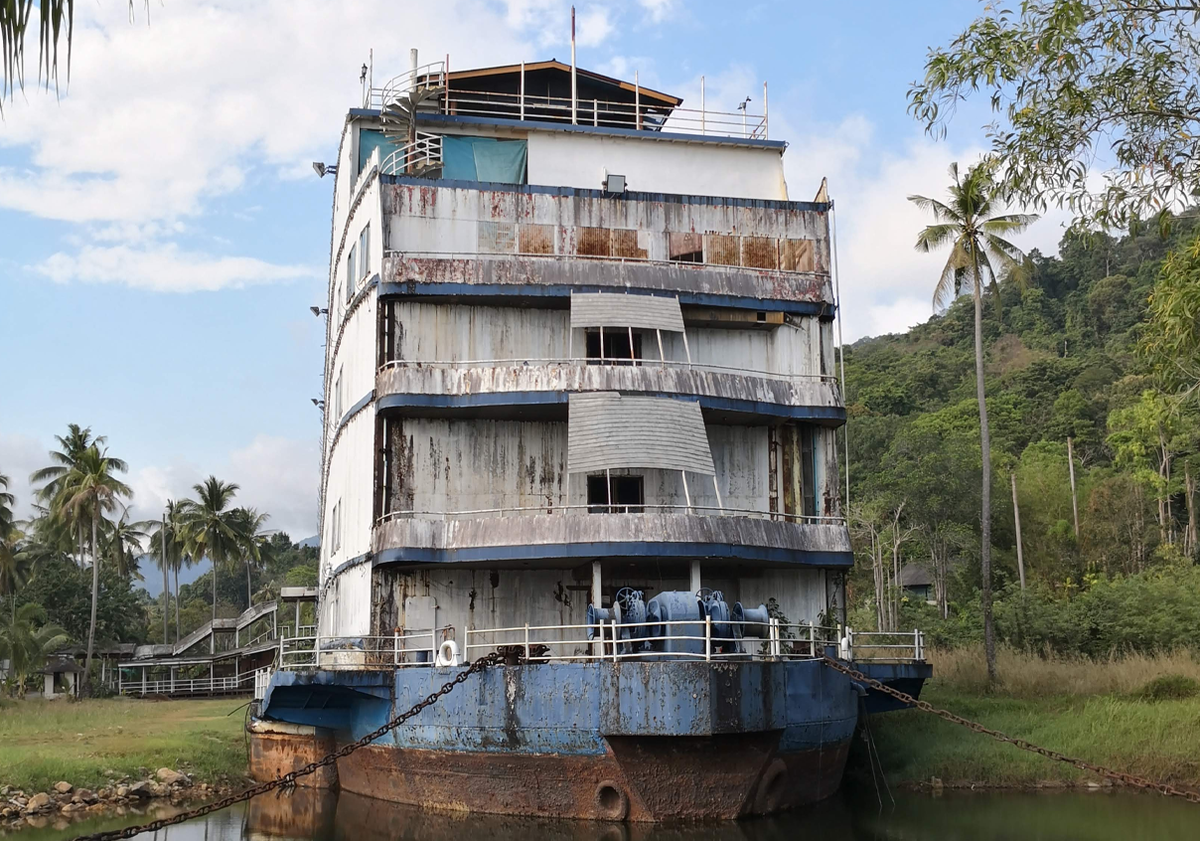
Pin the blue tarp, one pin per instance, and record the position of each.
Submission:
(483, 159)
(368, 139)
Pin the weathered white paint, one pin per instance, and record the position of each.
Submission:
(570, 159)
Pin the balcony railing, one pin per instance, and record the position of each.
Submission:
(699, 639)
(459, 364)
(603, 508)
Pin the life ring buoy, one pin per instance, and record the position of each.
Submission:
(447, 654)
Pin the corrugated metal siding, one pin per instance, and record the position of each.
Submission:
(607, 430)
(645, 312)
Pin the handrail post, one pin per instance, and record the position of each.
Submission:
(812, 640)
(526, 642)
(601, 640)
(317, 650)
(707, 638)
(613, 628)
(395, 648)
(765, 137)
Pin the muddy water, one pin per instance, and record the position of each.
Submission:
(308, 816)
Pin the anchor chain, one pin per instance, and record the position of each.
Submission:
(288, 780)
(1083, 765)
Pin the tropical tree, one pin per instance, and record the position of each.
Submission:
(89, 489)
(977, 248)
(71, 447)
(166, 547)
(15, 565)
(1076, 81)
(249, 526)
(7, 501)
(122, 543)
(26, 641)
(55, 21)
(211, 527)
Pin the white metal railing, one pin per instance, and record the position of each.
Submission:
(605, 508)
(411, 648)
(608, 360)
(262, 679)
(422, 154)
(432, 75)
(231, 685)
(702, 638)
(598, 113)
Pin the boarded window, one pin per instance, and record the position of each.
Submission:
(535, 239)
(797, 255)
(798, 473)
(593, 242)
(759, 253)
(721, 249)
(497, 237)
(625, 244)
(615, 494)
(685, 247)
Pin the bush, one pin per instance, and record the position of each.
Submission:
(1169, 688)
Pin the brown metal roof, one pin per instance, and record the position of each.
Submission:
(555, 64)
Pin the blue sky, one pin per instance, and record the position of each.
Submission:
(162, 233)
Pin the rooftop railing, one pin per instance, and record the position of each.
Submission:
(598, 113)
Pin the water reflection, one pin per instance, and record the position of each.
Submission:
(308, 815)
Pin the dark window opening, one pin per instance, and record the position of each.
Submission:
(685, 247)
(626, 494)
(616, 345)
(807, 480)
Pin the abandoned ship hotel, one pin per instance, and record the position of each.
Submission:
(580, 409)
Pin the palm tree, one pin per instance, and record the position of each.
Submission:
(166, 547)
(7, 501)
(249, 524)
(15, 565)
(977, 246)
(211, 527)
(27, 641)
(71, 446)
(89, 489)
(122, 544)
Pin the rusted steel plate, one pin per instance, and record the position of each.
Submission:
(274, 754)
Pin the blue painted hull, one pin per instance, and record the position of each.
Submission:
(627, 740)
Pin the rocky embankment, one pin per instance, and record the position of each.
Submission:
(63, 803)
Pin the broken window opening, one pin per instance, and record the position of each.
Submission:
(627, 494)
(616, 346)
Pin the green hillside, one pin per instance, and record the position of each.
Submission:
(1063, 360)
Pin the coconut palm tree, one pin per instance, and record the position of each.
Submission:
(977, 248)
(15, 565)
(166, 547)
(89, 489)
(122, 544)
(71, 446)
(7, 501)
(211, 527)
(26, 642)
(249, 524)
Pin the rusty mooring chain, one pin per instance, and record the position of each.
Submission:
(1083, 765)
(288, 780)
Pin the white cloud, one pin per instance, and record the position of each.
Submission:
(277, 476)
(658, 10)
(165, 268)
(593, 27)
(20, 455)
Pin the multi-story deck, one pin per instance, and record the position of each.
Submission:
(580, 405)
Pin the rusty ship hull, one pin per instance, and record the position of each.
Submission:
(600, 740)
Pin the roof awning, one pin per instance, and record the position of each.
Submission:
(607, 430)
(619, 309)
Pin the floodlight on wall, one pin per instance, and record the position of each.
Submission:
(320, 404)
(320, 169)
(318, 311)
(614, 183)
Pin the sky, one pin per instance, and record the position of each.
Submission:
(162, 232)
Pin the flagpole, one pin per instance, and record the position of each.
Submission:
(574, 88)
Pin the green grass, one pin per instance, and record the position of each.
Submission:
(42, 742)
(1101, 714)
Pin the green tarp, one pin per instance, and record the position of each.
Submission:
(483, 159)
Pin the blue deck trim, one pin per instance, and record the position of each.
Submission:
(562, 290)
(632, 549)
(823, 414)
